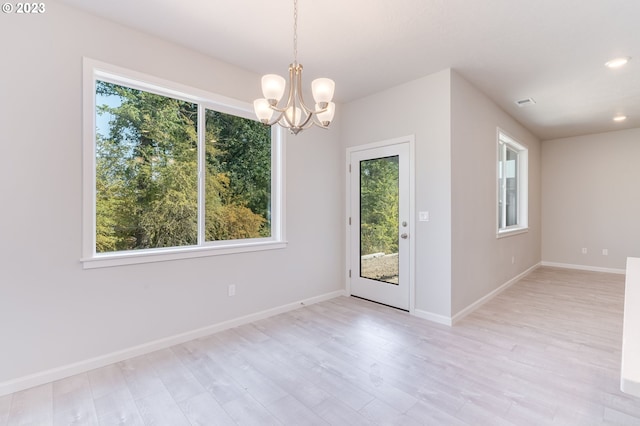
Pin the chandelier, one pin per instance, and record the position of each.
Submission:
(295, 115)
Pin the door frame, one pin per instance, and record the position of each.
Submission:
(410, 140)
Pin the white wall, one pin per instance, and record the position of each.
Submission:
(591, 199)
(54, 313)
(421, 108)
(481, 262)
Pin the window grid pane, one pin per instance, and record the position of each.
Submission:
(501, 186)
(511, 187)
(146, 170)
(238, 178)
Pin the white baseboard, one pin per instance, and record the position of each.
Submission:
(450, 321)
(475, 305)
(40, 378)
(437, 318)
(584, 267)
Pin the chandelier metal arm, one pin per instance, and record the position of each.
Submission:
(298, 89)
(298, 84)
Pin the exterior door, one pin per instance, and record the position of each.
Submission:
(380, 230)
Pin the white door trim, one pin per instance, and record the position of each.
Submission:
(410, 139)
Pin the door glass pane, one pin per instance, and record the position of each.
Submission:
(379, 203)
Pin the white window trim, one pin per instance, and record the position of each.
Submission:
(523, 186)
(93, 70)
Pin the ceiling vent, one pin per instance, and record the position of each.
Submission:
(525, 102)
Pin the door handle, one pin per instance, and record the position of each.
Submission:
(404, 235)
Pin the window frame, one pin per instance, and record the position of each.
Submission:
(95, 70)
(504, 141)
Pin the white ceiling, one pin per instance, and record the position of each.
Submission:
(551, 50)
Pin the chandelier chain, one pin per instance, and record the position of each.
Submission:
(295, 31)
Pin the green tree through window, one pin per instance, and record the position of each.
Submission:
(147, 162)
(379, 195)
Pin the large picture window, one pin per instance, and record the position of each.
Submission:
(172, 172)
(512, 185)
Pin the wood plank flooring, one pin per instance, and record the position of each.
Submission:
(544, 352)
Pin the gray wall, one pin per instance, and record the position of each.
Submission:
(52, 312)
(591, 199)
(459, 260)
(480, 261)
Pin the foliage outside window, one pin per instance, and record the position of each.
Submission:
(512, 185)
(379, 195)
(175, 172)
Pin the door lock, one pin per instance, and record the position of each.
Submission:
(404, 236)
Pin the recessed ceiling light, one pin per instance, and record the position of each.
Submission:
(617, 62)
(619, 118)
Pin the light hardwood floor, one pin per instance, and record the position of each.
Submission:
(544, 352)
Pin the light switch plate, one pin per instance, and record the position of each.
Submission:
(423, 216)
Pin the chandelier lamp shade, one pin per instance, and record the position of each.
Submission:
(295, 114)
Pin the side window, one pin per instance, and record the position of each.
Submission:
(512, 185)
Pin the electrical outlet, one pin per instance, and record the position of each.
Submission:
(232, 290)
(584, 250)
(605, 252)
(513, 260)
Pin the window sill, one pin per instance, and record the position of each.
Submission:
(106, 260)
(512, 232)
